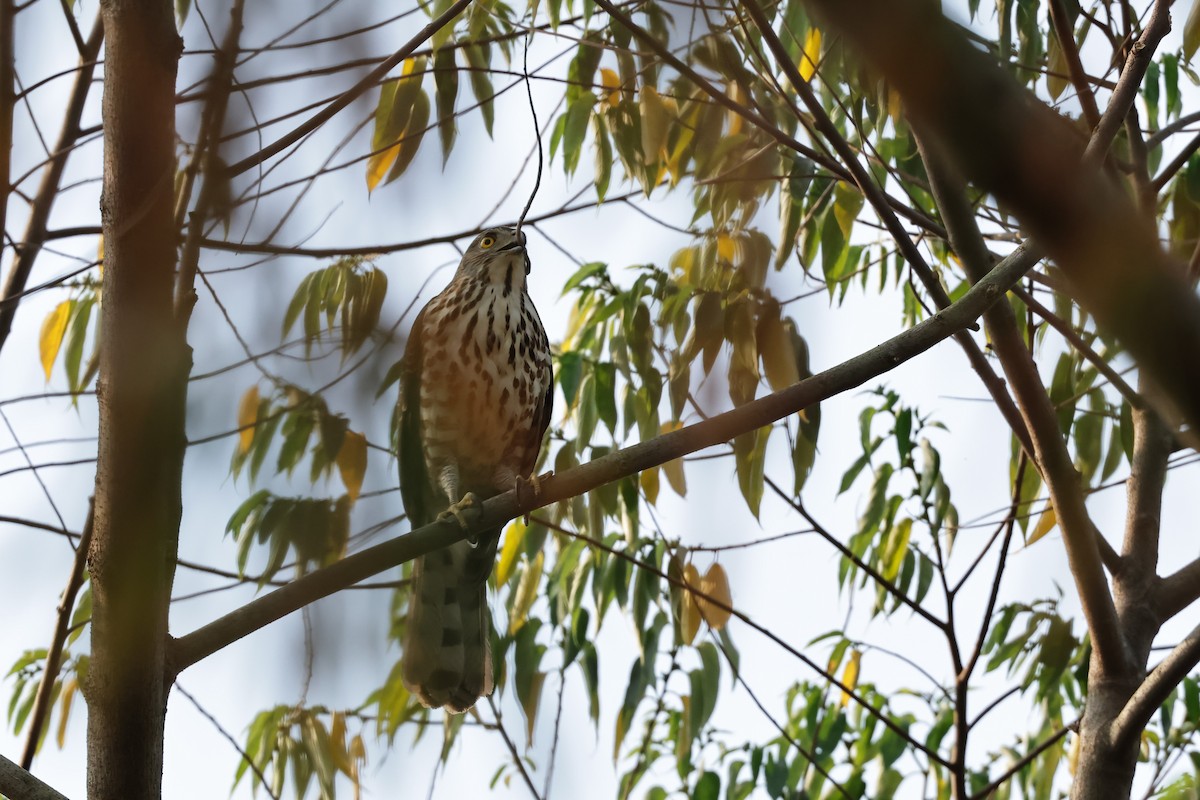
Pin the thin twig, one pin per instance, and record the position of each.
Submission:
(351, 94)
(229, 738)
(512, 748)
(41, 705)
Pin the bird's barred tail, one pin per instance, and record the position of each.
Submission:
(447, 659)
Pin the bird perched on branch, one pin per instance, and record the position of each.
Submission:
(475, 402)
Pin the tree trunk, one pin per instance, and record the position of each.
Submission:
(144, 363)
(1106, 766)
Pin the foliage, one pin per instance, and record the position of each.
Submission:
(655, 346)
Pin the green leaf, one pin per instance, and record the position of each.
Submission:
(579, 114)
(76, 337)
(1191, 32)
(582, 274)
(634, 691)
(445, 77)
(876, 500)
(606, 394)
(603, 160)
(414, 132)
(570, 375)
(479, 57)
(750, 454)
(708, 787)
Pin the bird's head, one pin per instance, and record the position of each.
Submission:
(497, 255)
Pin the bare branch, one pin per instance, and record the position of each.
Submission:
(17, 784)
(41, 704)
(1066, 42)
(39, 216)
(1022, 763)
(374, 250)
(1050, 452)
(1154, 690)
(205, 641)
(1178, 590)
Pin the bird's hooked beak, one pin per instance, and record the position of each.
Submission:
(518, 246)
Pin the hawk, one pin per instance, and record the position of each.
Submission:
(475, 402)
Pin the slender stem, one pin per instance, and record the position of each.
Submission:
(1066, 42)
(41, 703)
(1050, 452)
(207, 161)
(1098, 361)
(1022, 763)
(849, 555)
(879, 202)
(39, 214)
(512, 749)
(7, 101)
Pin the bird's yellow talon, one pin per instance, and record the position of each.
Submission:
(456, 510)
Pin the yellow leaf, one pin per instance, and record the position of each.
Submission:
(1191, 32)
(513, 537)
(53, 329)
(675, 476)
(689, 616)
(674, 467)
(68, 694)
(352, 462)
(655, 119)
(715, 584)
(611, 81)
(246, 418)
(337, 738)
(850, 675)
(1056, 68)
(726, 247)
(894, 104)
(358, 751)
(812, 52)
(777, 353)
(649, 482)
(527, 592)
(735, 120)
(1045, 524)
(379, 164)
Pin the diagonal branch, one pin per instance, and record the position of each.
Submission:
(878, 200)
(1022, 763)
(39, 214)
(41, 703)
(1070, 50)
(18, 784)
(1178, 590)
(350, 95)
(1154, 690)
(1050, 452)
(203, 642)
(1007, 142)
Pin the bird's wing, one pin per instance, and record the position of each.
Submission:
(416, 485)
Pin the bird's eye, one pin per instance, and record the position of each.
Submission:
(486, 242)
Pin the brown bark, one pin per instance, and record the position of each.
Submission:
(1107, 761)
(144, 363)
